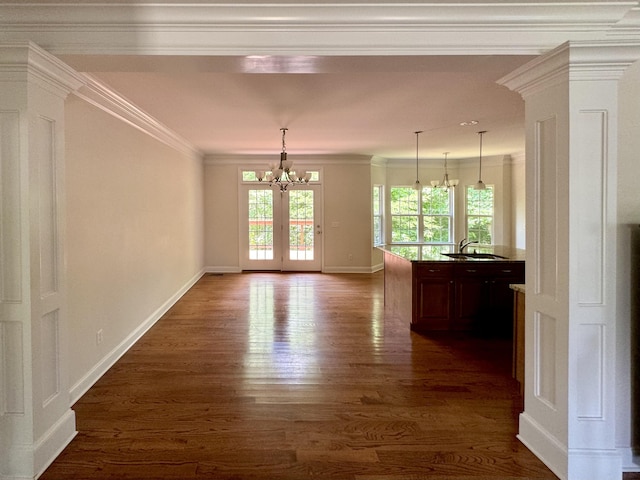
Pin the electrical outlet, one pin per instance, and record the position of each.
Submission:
(99, 337)
(350, 256)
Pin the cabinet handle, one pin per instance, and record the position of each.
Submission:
(506, 271)
(471, 271)
(434, 270)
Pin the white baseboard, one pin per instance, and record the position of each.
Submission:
(377, 268)
(344, 269)
(543, 445)
(26, 462)
(222, 269)
(573, 463)
(51, 444)
(334, 269)
(630, 461)
(88, 380)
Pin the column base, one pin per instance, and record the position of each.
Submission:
(30, 461)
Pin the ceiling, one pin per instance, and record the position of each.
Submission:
(342, 105)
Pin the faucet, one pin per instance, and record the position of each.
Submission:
(464, 244)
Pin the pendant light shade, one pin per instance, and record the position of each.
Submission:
(480, 184)
(417, 185)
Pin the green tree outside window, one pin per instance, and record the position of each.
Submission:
(480, 211)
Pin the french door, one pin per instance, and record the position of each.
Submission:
(281, 231)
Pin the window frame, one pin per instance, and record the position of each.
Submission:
(468, 216)
(380, 233)
(421, 216)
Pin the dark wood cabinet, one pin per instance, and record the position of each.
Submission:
(465, 296)
(433, 303)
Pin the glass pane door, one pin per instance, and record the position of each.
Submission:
(261, 225)
(280, 231)
(260, 229)
(302, 250)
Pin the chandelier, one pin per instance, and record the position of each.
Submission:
(445, 182)
(417, 185)
(283, 175)
(480, 185)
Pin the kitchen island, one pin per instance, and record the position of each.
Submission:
(437, 291)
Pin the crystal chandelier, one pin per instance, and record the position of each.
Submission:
(283, 175)
(480, 185)
(445, 182)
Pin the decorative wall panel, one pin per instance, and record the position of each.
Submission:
(591, 167)
(545, 358)
(50, 355)
(547, 214)
(10, 257)
(590, 372)
(45, 160)
(11, 370)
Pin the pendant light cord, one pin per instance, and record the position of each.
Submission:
(480, 169)
(284, 146)
(417, 176)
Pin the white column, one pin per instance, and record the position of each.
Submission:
(571, 114)
(36, 421)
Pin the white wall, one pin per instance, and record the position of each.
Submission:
(134, 230)
(628, 254)
(221, 238)
(346, 190)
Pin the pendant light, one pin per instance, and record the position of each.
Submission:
(417, 185)
(445, 183)
(480, 185)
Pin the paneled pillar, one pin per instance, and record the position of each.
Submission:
(571, 115)
(36, 421)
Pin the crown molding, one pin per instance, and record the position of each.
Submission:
(105, 98)
(602, 60)
(263, 160)
(255, 28)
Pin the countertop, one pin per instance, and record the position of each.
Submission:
(518, 287)
(431, 253)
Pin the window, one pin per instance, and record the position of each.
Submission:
(480, 215)
(421, 216)
(404, 215)
(436, 215)
(377, 209)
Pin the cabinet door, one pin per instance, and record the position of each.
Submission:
(471, 297)
(500, 298)
(434, 294)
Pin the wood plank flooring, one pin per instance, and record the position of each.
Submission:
(299, 376)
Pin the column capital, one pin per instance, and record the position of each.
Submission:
(574, 60)
(26, 61)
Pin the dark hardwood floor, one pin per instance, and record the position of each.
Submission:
(299, 376)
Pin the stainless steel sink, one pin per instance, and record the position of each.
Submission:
(474, 256)
(456, 255)
(491, 256)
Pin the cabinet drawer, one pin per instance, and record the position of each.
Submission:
(435, 269)
(508, 269)
(473, 269)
